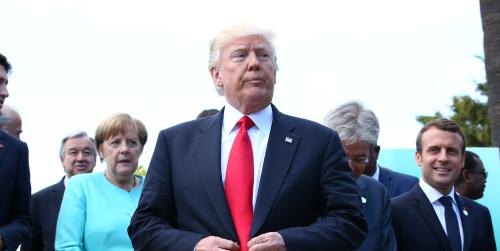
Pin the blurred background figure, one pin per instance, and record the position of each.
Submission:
(472, 180)
(207, 112)
(11, 122)
(349, 115)
(78, 156)
(15, 186)
(358, 132)
(97, 207)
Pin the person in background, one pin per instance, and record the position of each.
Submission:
(432, 216)
(97, 207)
(396, 183)
(472, 180)
(11, 122)
(358, 132)
(249, 177)
(78, 155)
(15, 186)
(206, 113)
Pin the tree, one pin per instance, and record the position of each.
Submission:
(490, 16)
(141, 171)
(472, 117)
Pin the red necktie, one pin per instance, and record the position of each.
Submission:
(239, 182)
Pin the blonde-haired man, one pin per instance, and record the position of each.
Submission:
(250, 177)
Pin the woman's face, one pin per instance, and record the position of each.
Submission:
(121, 152)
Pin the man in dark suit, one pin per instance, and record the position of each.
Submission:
(78, 155)
(15, 187)
(358, 131)
(299, 193)
(395, 183)
(432, 216)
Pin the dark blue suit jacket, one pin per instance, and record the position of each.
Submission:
(306, 193)
(45, 206)
(15, 191)
(377, 210)
(396, 183)
(417, 226)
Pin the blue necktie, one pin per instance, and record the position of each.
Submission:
(451, 224)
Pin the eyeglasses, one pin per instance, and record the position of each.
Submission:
(359, 161)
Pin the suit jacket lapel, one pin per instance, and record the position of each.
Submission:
(427, 212)
(58, 192)
(2, 145)
(464, 216)
(386, 179)
(280, 151)
(364, 194)
(208, 146)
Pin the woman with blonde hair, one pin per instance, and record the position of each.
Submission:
(96, 208)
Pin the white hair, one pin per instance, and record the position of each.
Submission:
(353, 123)
(232, 32)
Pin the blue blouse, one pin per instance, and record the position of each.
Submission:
(95, 214)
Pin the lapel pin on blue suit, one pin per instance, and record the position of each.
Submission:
(288, 140)
(464, 210)
(363, 200)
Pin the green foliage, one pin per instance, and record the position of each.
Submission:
(141, 171)
(471, 115)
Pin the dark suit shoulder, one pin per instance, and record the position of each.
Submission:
(403, 199)
(12, 142)
(372, 184)
(474, 206)
(400, 176)
(45, 192)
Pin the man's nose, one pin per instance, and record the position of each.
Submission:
(80, 156)
(3, 90)
(253, 61)
(443, 155)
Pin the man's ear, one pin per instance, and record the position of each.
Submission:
(376, 151)
(216, 76)
(466, 176)
(418, 158)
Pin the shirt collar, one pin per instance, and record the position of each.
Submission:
(432, 194)
(376, 175)
(262, 119)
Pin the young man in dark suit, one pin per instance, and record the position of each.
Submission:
(432, 216)
(78, 155)
(15, 187)
(249, 177)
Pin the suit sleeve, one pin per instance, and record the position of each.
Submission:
(18, 229)
(342, 225)
(153, 226)
(490, 238)
(34, 241)
(71, 221)
(388, 240)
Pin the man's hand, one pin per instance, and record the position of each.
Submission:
(267, 242)
(1, 243)
(211, 243)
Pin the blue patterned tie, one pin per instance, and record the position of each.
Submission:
(451, 224)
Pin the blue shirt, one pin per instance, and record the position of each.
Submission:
(95, 214)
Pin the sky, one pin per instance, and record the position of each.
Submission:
(75, 62)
